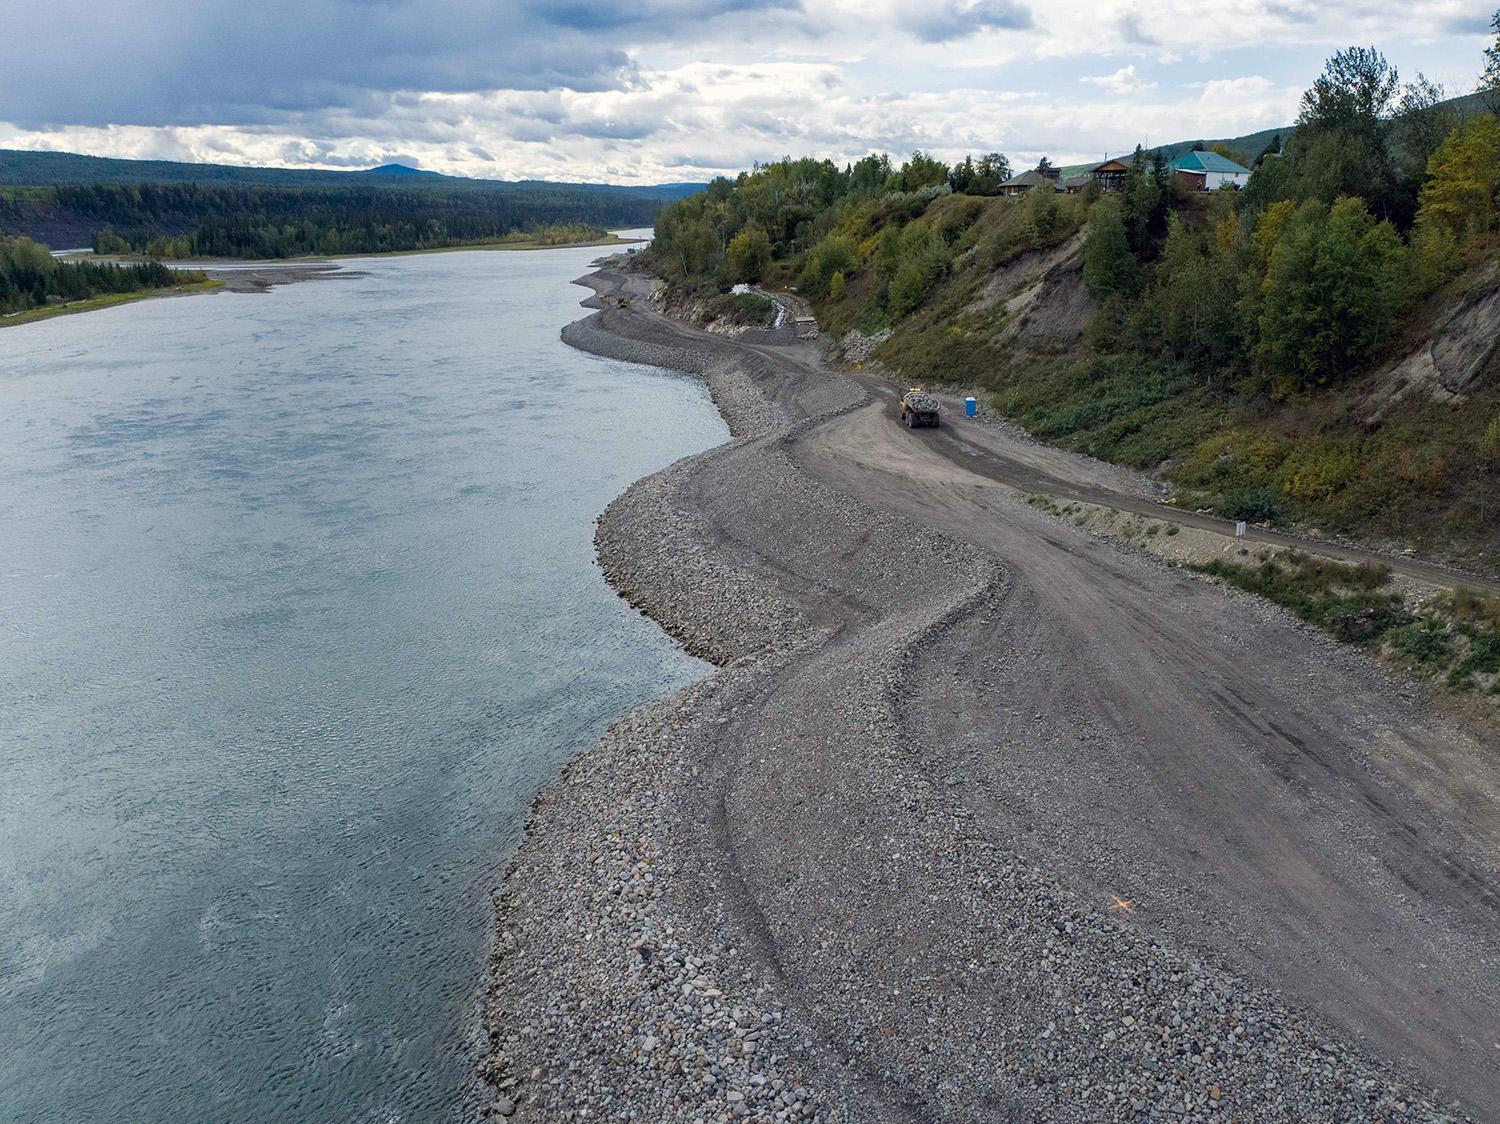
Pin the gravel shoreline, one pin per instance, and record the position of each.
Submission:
(870, 956)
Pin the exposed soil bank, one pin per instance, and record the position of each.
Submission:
(982, 818)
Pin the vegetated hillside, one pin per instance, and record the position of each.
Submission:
(175, 220)
(1320, 348)
(40, 169)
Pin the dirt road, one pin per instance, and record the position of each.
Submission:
(987, 696)
(1254, 784)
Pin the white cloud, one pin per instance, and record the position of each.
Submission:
(1122, 82)
(650, 90)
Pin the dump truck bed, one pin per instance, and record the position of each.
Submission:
(918, 408)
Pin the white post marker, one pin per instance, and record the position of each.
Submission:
(1239, 529)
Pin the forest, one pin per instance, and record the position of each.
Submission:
(1231, 337)
(30, 277)
(178, 220)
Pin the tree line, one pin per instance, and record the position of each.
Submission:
(30, 277)
(176, 220)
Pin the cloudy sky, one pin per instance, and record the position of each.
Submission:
(645, 91)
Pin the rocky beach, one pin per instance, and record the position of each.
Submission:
(939, 842)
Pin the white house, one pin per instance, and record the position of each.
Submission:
(1217, 171)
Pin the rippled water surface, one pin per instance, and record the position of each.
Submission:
(297, 609)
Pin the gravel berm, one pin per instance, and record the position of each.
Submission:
(901, 859)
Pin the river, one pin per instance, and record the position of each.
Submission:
(298, 608)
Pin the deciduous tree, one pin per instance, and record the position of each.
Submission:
(1109, 268)
(1463, 178)
(1333, 291)
(749, 254)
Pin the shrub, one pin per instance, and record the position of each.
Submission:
(750, 309)
(1315, 471)
(1253, 505)
(1342, 599)
(1483, 658)
(1471, 607)
(836, 253)
(924, 260)
(1425, 643)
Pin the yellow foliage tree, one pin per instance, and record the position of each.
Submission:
(1273, 222)
(1463, 177)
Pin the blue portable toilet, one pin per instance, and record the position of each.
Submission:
(971, 407)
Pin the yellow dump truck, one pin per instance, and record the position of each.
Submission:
(919, 408)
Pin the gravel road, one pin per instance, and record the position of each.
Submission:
(982, 818)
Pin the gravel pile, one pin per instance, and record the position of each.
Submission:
(757, 899)
(858, 347)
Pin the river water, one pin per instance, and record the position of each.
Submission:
(298, 608)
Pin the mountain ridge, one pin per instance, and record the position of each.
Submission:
(35, 168)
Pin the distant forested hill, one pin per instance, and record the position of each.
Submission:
(39, 169)
(168, 209)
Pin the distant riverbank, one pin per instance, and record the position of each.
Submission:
(242, 275)
(107, 300)
(613, 239)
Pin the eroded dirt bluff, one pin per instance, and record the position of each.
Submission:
(982, 818)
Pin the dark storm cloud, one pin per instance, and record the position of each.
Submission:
(187, 62)
(958, 19)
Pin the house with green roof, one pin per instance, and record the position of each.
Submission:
(1208, 171)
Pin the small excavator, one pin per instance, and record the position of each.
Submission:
(919, 408)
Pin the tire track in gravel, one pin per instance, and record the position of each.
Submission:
(1352, 870)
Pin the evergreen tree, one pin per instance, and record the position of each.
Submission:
(1145, 199)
